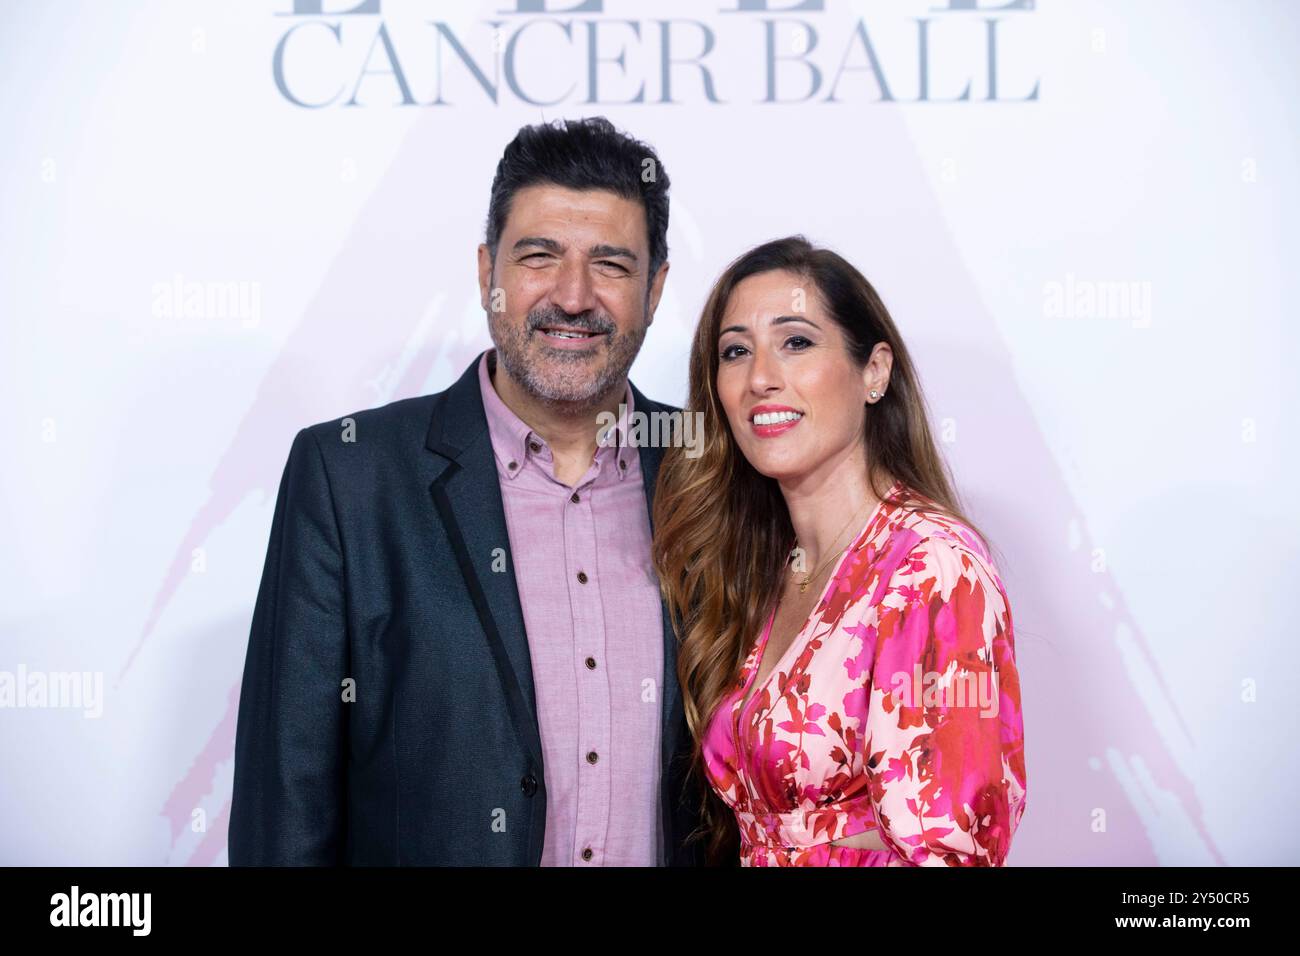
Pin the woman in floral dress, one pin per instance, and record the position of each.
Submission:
(847, 654)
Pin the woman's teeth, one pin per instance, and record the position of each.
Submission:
(776, 418)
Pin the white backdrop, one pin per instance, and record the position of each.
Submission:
(1098, 284)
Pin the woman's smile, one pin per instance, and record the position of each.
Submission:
(768, 421)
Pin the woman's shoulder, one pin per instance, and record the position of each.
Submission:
(910, 550)
(929, 539)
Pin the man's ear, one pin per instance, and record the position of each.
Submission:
(484, 275)
(656, 291)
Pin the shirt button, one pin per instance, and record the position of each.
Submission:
(528, 785)
(587, 854)
(582, 577)
(591, 663)
(622, 463)
(574, 498)
(591, 757)
(533, 446)
(513, 465)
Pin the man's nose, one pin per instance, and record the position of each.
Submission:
(573, 291)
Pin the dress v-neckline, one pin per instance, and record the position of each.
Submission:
(799, 641)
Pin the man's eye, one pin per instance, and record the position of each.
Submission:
(614, 265)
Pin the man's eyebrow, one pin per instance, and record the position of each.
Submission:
(599, 251)
(779, 320)
(550, 245)
(611, 252)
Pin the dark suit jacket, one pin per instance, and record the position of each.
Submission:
(379, 572)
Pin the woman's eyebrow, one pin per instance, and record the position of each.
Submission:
(782, 319)
(779, 320)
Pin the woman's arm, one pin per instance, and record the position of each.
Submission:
(944, 735)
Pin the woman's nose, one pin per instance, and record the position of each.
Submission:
(764, 373)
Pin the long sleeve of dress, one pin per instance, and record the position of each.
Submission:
(944, 733)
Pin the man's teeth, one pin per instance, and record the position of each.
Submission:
(776, 418)
(568, 335)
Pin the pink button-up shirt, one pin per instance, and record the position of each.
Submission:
(595, 635)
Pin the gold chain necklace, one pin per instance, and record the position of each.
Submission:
(803, 585)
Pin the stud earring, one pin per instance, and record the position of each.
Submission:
(874, 393)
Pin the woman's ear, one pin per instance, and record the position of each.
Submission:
(875, 374)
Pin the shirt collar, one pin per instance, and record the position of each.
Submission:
(512, 438)
(615, 443)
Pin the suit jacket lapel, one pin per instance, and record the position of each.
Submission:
(467, 496)
(650, 460)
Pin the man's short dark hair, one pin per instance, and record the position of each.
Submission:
(583, 154)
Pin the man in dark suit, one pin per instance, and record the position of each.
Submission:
(459, 654)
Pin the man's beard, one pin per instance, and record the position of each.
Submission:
(562, 378)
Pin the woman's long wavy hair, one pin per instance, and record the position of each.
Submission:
(722, 530)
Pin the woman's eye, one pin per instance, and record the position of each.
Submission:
(730, 351)
(798, 342)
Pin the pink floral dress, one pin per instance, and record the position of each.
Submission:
(896, 707)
